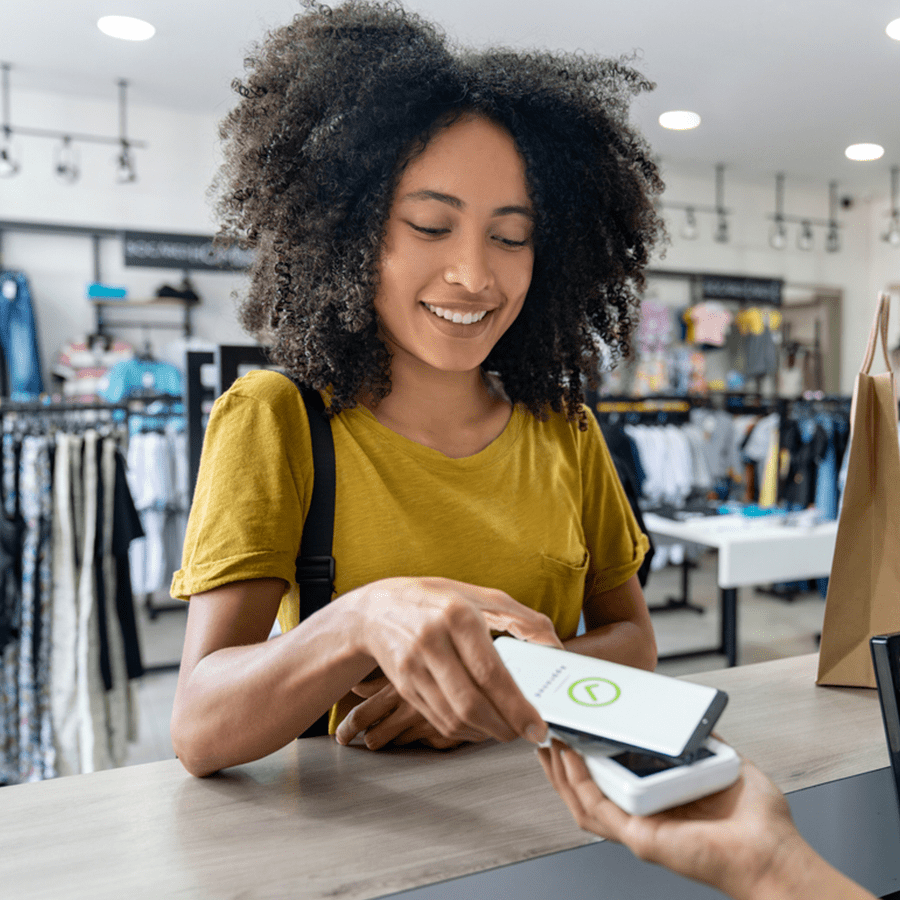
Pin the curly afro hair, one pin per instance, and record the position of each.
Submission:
(336, 103)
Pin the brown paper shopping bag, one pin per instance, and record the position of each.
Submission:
(864, 587)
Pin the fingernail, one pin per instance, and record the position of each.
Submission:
(537, 734)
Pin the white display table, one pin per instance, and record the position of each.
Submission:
(751, 551)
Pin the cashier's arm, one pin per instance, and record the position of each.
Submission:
(618, 627)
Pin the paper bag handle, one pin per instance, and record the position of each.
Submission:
(879, 325)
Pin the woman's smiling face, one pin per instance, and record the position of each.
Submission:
(458, 248)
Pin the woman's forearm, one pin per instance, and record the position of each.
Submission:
(625, 642)
(240, 703)
(618, 627)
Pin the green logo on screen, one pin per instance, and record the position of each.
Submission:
(594, 692)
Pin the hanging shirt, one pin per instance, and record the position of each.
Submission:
(18, 337)
(137, 376)
(134, 376)
(83, 364)
(707, 324)
(758, 326)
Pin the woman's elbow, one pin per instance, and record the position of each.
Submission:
(187, 744)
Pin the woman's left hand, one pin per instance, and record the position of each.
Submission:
(384, 717)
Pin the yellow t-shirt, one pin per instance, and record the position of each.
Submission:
(539, 513)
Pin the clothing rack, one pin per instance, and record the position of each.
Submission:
(668, 409)
(135, 405)
(40, 407)
(70, 524)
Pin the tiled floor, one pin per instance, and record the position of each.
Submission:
(769, 628)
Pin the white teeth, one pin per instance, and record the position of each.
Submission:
(464, 319)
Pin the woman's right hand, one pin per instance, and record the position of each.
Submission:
(432, 639)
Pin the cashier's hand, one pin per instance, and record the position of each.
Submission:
(730, 840)
(432, 639)
(384, 717)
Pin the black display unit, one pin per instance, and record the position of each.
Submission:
(886, 657)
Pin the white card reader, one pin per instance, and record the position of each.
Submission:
(643, 784)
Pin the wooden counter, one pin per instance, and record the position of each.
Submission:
(318, 820)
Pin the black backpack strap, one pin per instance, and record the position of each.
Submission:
(315, 564)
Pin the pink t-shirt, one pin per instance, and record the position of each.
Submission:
(710, 321)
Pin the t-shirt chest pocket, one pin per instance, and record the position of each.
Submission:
(560, 593)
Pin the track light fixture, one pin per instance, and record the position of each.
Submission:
(833, 237)
(66, 166)
(892, 235)
(8, 164)
(721, 233)
(778, 235)
(125, 171)
(689, 229)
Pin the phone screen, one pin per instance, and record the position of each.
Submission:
(623, 705)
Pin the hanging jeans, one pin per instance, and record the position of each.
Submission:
(18, 337)
(9, 655)
(36, 751)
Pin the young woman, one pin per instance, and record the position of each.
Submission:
(445, 245)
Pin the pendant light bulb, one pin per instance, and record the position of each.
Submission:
(893, 233)
(8, 165)
(689, 228)
(125, 171)
(806, 237)
(778, 235)
(721, 234)
(66, 168)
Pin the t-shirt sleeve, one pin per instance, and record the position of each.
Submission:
(253, 488)
(616, 544)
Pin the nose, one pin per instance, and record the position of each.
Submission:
(470, 265)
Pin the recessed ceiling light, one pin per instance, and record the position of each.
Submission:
(126, 28)
(679, 120)
(864, 152)
(893, 29)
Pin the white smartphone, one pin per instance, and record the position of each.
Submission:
(643, 784)
(624, 706)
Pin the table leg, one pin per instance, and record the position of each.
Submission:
(729, 624)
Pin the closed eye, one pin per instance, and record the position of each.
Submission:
(430, 231)
(507, 242)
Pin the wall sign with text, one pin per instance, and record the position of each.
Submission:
(182, 251)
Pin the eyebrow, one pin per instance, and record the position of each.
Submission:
(456, 203)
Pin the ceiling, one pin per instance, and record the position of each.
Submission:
(781, 85)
